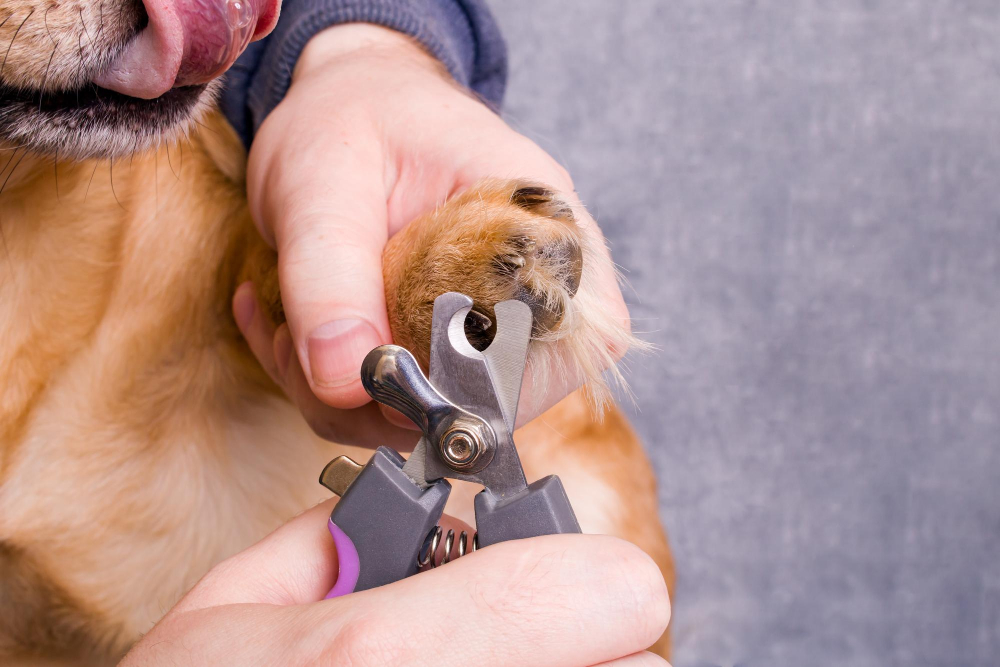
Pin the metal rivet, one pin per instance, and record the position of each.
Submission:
(464, 444)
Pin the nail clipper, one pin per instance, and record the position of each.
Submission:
(385, 526)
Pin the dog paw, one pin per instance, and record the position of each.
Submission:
(505, 240)
(498, 241)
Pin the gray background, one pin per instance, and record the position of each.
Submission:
(806, 198)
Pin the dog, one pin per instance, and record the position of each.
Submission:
(140, 441)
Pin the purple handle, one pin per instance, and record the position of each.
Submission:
(349, 563)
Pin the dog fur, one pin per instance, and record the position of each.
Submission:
(140, 442)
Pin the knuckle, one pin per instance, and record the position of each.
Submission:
(567, 578)
(219, 575)
(640, 589)
(366, 640)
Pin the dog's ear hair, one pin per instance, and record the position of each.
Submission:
(539, 200)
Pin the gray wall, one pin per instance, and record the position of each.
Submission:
(806, 198)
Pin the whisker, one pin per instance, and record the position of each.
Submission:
(111, 171)
(45, 79)
(10, 159)
(45, 21)
(12, 172)
(100, 28)
(206, 127)
(135, 147)
(91, 181)
(83, 22)
(11, 45)
(3, 235)
(79, 64)
(6, 250)
(166, 147)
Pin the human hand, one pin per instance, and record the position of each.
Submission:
(372, 134)
(556, 600)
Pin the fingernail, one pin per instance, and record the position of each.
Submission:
(336, 350)
(282, 349)
(244, 305)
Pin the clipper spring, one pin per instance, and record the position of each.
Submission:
(425, 558)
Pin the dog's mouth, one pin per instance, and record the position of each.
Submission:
(186, 42)
(142, 88)
(91, 121)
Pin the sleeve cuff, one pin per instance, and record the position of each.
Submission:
(459, 33)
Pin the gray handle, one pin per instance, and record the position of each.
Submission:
(388, 517)
(541, 509)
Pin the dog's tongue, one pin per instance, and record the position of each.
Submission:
(186, 42)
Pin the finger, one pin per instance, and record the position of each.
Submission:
(247, 634)
(244, 610)
(329, 227)
(257, 329)
(240, 612)
(555, 600)
(364, 426)
(643, 659)
(296, 564)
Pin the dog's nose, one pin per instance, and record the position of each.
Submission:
(187, 42)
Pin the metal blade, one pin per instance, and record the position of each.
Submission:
(506, 355)
(486, 384)
(416, 465)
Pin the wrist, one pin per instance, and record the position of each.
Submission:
(351, 43)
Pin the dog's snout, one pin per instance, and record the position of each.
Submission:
(186, 42)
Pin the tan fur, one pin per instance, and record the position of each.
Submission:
(140, 436)
(54, 37)
(140, 442)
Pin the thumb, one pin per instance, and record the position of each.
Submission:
(296, 564)
(329, 227)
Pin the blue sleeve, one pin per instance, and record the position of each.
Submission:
(460, 33)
